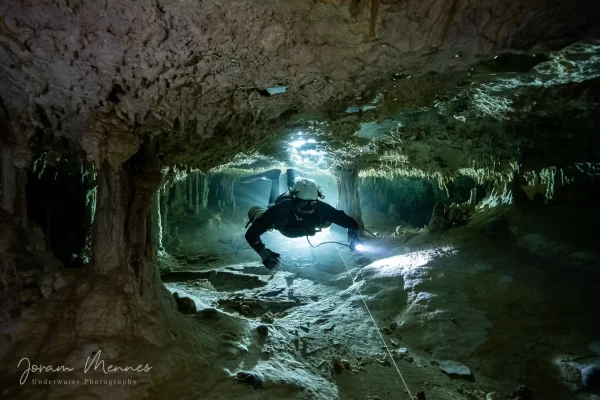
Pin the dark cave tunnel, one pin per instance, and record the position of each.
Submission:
(61, 198)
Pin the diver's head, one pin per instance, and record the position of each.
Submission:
(305, 193)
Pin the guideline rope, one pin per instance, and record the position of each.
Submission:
(374, 323)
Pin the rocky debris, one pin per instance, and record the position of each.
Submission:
(262, 330)
(402, 354)
(389, 329)
(219, 280)
(249, 379)
(522, 393)
(267, 318)
(455, 369)
(492, 396)
(383, 359)
(200, 284)
(185, 304)
(245, 310)
(445, 217)
(209, 313)
(252, 307)
(473, 394)
(339, 365)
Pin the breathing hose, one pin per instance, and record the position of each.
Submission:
(329, 241)
(333, 242)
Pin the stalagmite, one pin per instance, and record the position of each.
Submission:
(473, 198)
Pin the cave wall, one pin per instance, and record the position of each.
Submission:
(15, 157)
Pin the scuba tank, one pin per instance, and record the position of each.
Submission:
(253, 213)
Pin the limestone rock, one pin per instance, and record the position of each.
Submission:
(185, 304)
(267, 318)
(455, 369)
(249, 379)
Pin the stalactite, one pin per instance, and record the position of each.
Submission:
(153, 231)
(189, 198)
(164, 213)
(195, 197)
(357, 6)
(90, 212)
(374, 13)
(473, 198)
(221, 186)
(348, 195)
(180, 199)
(159, 220)
(203, 190)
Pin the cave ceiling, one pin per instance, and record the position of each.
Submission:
(438, 85)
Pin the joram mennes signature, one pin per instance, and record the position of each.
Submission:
(95, 362)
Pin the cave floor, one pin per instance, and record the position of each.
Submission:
(496, 295)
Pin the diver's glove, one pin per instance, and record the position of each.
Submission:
(355, 242)
(270, 259)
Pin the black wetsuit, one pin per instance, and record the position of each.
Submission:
(281, 217)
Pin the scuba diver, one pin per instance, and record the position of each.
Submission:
(298, 212)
